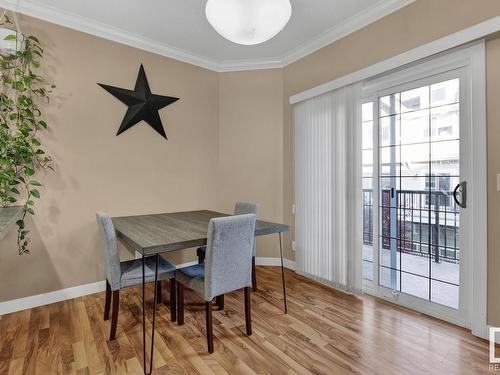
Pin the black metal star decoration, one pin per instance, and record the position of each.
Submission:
(142, 104)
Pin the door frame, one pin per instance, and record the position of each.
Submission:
(471, 60)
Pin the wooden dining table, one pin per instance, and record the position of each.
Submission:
(151, 235)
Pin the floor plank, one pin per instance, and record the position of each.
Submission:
(325, 332)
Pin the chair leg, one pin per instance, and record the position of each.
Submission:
(254, 275)
(173, 303)
(220, 302)
(107, 303)
(114, 314)
(180, 304)
(201, 258)
(210, 334)
(158, 291)
(248, 313)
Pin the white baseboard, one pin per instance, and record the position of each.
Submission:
(259, 261)
(51, 297)
(182, 265)
(287, 263)
(24, 303)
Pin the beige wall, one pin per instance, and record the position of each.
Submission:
(493, 133)
(410, 27)
(136, 172)
(250, 145)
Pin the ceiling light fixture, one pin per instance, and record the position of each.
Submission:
(248, 22)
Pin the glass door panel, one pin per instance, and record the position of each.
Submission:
(418, 168)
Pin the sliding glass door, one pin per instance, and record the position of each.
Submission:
(415, 152)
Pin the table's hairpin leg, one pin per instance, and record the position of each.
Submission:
(283, 273)
(144, 316)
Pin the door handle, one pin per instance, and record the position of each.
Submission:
(463, 192)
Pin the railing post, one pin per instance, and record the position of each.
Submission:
(435, 237)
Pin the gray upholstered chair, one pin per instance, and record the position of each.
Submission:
(227, 267)
(240, 208)
(128, 273)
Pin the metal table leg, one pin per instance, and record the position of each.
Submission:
(144, 316)
(283, 274)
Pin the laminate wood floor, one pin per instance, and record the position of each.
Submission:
(325, 332)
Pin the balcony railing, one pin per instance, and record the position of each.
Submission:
(427, 223)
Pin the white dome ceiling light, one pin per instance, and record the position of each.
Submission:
(248, 22)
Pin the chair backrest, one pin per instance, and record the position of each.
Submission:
(109, 248)
(228, 259)
(241, 208)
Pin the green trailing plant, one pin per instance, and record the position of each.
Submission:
(21, 152)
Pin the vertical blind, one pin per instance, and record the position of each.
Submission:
(328, 188)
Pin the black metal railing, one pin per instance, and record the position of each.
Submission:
(427, 223)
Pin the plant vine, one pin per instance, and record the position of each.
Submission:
(21, 152)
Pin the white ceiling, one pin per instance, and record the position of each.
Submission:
(179, 29)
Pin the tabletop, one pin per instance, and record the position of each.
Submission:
(156, 233)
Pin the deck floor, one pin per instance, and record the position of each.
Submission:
(415, 275)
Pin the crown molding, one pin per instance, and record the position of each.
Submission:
(373, 13)
(88, 26)
(250, 64)
(51, 14)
